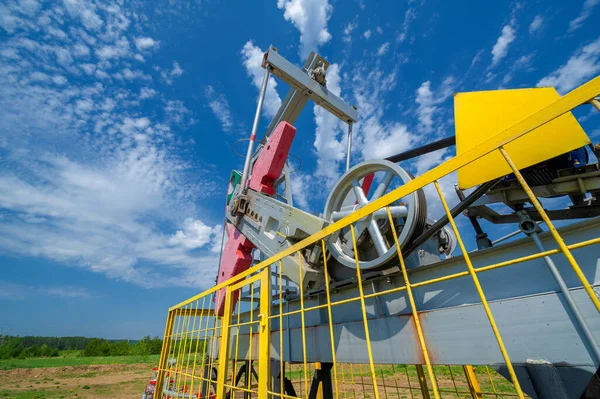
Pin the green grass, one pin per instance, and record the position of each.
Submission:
(41, 394)
(71, 353)
(488, 383)
(70, 360)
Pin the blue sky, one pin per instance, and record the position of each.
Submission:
(117, 121)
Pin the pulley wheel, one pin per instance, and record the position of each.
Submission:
(359, 186)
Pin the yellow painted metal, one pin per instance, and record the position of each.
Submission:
(189, 340)
(472, 382)
(482, 297)
(320, 387)
(264, 348)
(249, 375)
(564, 104)
(563, 247)
(413, 308)
(248, 281)
(207, 341)
(479, 115)
(364, 314)
(224, 345)
(281, 357)
(303, 322)
(197, 312)
(181, 330)
(164, 353)
(330, 319)
(197, 345)
(423, 381)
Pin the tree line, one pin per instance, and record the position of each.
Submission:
(15, 347)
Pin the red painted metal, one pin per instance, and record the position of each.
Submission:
(366, 184)
(270, 162)
(237, 253)
(237, 258)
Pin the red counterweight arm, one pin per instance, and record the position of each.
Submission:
(237, 253)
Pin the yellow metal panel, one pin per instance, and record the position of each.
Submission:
(481, 115)
(264, 357)
(224, 349)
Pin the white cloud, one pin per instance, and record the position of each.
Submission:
(536, 24)
(220, 107)
(177, 112)
(582, 65)
(500, 49)
(522, 63)
(428, 102)
(301, 189)
(376, 138)
(59, 80)
(106, 188)
(85, 11)
(195, 234)
(409, 16)
(330, 137)
(367, 34)
(143, 43)
(147, 92)
(310, 17)
(252, 58)
(169, 76)
(81, 50)
(586, 12)
(348, 29)
(13, 291)
(118, 50)
(383, 49)
(477, 58)
(129, 74)
(88, 68)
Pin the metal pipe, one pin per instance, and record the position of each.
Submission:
(261, 97)
(596, 103)
(570, 302)
(510, 235)
(349, 149)
(424, 149)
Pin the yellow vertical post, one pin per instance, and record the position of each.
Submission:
(264, 348)
(472, 382)
(320, 388)
(281, 357)
(301, 286)
(224, 346)
(484, 302)
(364, 314)
(415, 313)
(563, 247)
(423, 381)
(164, 354)
(330, 318)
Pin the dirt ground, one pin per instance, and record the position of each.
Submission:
(118, 381)
(115, 381)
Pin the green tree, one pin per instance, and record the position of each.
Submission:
(155, 346)
(120, 348)
(12, 348)
(97, 347)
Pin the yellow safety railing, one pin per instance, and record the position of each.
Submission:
(203, 355)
